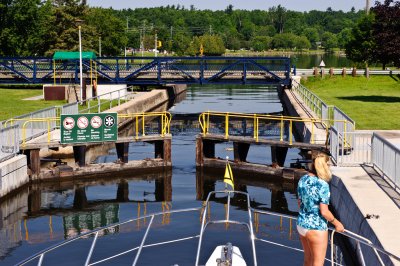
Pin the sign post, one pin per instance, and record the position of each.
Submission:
(83, 128)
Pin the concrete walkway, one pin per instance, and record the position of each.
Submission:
(365, 203)
(378, 210)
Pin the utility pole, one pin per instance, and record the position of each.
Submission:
(127, 28)
(210, 30)
(155, 45)
(367, 5)
(171, 33)
(100, 49)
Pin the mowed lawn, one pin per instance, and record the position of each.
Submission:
(12, 102)
(373, 103)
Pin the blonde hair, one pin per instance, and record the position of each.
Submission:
(321, 167)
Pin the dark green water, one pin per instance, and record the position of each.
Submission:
(313, 60)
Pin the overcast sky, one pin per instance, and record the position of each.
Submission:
(298, 5)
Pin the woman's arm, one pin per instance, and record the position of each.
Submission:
(327, 214)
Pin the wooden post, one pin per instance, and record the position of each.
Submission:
(34, 201)
(344, 72)
(163, 188)
(240, 151)
(162, 149)
(316, 72)
(331, 72)
(209, 148)
(80, 155)
(80, 199)
(123, 191)
(367, 72)
(34, 161)
(199, 151)
(122, 151)
(354, 72)
(278, 155)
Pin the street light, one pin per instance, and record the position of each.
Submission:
(79, 22)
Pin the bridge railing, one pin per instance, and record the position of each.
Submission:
(255, 125)
(9, 141)
(386, 159)
(150, 70)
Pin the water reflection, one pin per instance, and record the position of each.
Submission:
(207, 178)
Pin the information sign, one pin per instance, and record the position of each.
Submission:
(83, 128)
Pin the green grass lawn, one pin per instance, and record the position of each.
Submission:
(12, 103)
(373, 103)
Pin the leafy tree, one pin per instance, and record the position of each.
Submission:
(284, 41)
(386, 32)
(268, 30)
(278, 15)
(312, 35)
(67, 13)
(360, 48)
(19, 20)
(329, 41)
(261, 43)
(302, 43)
(110, 29)
(344, 37)
(212, 45)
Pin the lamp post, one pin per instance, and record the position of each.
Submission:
(79, 22)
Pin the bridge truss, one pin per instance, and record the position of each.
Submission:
(148, 70)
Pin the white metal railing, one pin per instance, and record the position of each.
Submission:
(386, 159)
(9, 142)
(34, 129)
(107, 101)
(349, 71)
(339, 115)
(311, 100)
(344, 154)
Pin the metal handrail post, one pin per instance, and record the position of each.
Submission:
(41, 259)
(202, 229)
(91, 249)
(253, 244)
(143, 240)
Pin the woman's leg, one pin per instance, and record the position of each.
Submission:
(318, 243)
(307, 251)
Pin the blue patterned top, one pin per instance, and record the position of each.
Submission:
(311, 192)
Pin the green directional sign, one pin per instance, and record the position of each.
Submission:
(83, 128)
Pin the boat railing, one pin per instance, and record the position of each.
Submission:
(249, 224)
(360, 240)
(349, 234)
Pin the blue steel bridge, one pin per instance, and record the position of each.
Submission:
(147, 70)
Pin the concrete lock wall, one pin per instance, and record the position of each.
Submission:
(295, 107)
(349, 213)
(13, 174)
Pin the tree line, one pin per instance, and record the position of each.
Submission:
(37, 28)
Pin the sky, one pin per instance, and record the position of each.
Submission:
(297, 5)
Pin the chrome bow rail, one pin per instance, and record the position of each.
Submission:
(204, 223)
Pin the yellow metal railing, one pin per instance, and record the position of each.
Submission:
(138, 118)
(46, 120)
(206, 117)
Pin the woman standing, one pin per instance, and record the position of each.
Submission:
(312, 223)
